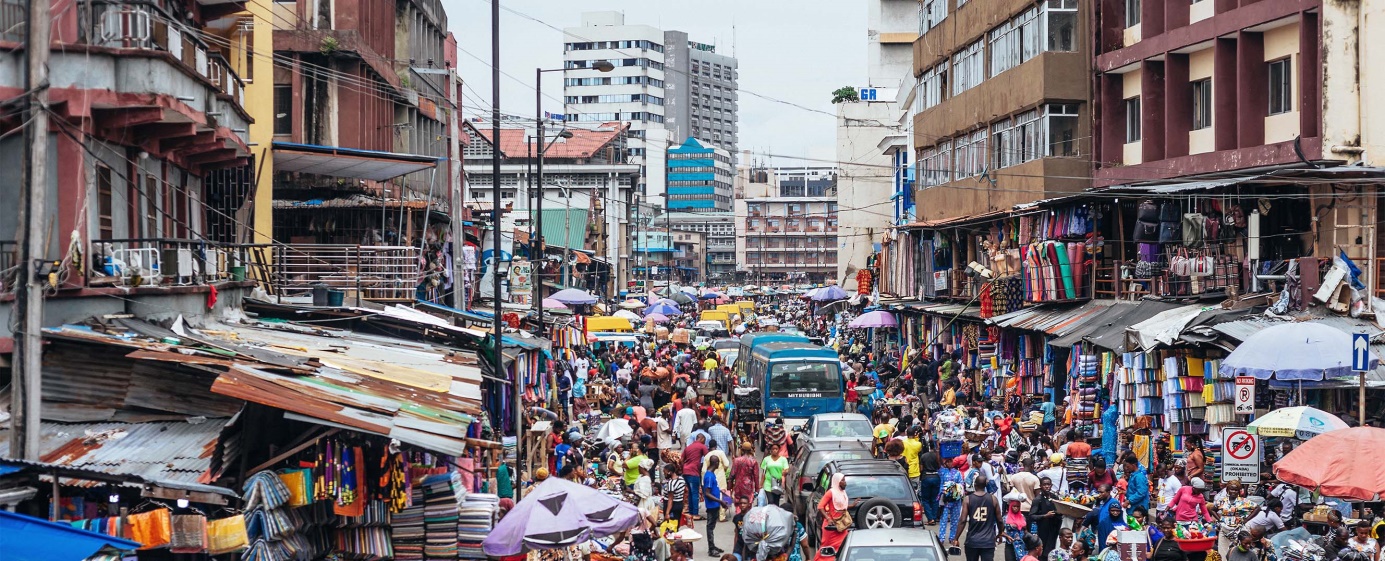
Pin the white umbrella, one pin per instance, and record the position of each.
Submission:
(613, 430)
(627, 314)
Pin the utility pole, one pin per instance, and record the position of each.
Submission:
(457, 211)
(517, 385)
(27, 383)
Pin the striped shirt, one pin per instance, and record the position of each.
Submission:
(676, 489)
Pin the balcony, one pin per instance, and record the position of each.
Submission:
(375, 273)
(164, 262)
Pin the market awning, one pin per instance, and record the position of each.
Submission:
(352, 163)
(25, 538)
(1109, 333)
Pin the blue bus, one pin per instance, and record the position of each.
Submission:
(751, 340)
(796, 379)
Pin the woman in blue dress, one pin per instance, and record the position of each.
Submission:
(950, 496)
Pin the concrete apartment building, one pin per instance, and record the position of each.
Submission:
(809, 181)
(719, 231)
(864, 182)
(783, 238)
(1003, 104)
(1222, 85)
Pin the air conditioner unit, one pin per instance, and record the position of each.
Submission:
(179, 264)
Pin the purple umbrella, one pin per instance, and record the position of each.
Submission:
(828, 293)
(657, 318)
(574, 296)
(664, 309)
(556, 514)
(551, 304)
(878, 318)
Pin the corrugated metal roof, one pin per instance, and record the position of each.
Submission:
(1054, 319)
(155, 451)
(1112, 335)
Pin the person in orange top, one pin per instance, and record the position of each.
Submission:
(1078, 448)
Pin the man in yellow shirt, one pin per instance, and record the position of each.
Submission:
(881, 432)
(912, 448)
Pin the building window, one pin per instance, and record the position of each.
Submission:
(969, 68)
(1132, 13)
(1061, 20)
(1029, 138)
(1016, 41)
(935, 165)
(283, 109)
(933, 86)
(1132, 120)
(1202, 104)
(971, 154)
(1002, 134)
(106, 204)
(1060, 124)
(1281, 87)
(932, 13)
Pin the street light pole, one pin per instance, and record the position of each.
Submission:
(516, 384)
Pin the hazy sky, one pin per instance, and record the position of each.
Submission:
(797, 51)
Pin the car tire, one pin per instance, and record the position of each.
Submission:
(878, 513)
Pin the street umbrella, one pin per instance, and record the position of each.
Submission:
(574, 296)
(1299, 422)
(710, 295)
(681, 297)
(613, 430)
(557, 514)
(664, 309)
(1295, 351)
(632, 304)
(657, 318)
(627, 314)
(1345, 464)
(689, 290)
(551, 304)
(828, 294)
(878, 318)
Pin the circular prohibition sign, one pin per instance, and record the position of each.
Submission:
(1240, 445)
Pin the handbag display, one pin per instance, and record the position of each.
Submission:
(1194, 228)
(1169, 212)
(1169, 232)
(1146, 231)
(1147, 211)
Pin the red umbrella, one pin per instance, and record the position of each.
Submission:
(1345, 464)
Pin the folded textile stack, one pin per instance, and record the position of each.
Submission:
(408, 530)
(439, 517)
(1086, 395)
(475, 517)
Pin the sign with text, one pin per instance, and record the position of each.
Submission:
(1245, 395)
(1240, 455)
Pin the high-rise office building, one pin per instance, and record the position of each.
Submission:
(666, 87)
(702, 93)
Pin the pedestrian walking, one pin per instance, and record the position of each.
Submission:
(981, 520)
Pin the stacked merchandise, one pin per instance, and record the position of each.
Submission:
(272, 526)
(1184, 408)
(1219, 393)
(407, 525)
(475, 517)
(439, 517)
(1087, 413)
(366, 536)
(1141, 389)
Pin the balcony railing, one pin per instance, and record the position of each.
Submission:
(376, 273)
(165, 262)
(144, 26)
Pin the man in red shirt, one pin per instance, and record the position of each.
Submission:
(692, 471)
(1079, 449)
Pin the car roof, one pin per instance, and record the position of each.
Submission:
(840, 417)
(891, 536)
(870, 466)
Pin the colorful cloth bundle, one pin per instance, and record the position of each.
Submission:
(265, 490)
(151, 529)
(363, 543)
(227, 535)
(271, 525)
(189, 534)
(439, 517)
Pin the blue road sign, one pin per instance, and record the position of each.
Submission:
(1360, 352)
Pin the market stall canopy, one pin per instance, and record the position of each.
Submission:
(574, 296)
(556, 514)
(551, 304)
(632, 304)
(657, 318)
(878, 318)
(1345, 464)
(349, 163)
(31, 539)
(1294, 351)
(1299, 422)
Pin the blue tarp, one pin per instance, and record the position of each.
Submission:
(25, 538)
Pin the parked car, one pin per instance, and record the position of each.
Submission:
(892, 544)
(880, 492)
(801, 477)
(726, 344)
(830, 427)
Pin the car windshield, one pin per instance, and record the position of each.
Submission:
(843, 428)
(891, 553)
(792, 377)
(893, 487)
(820, 458)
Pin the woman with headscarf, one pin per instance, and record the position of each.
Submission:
(745, 473)
(952, 490)
(833, 508)
(1112, 550)
(1015, 526)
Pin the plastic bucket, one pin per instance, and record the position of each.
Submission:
(320, 295)
(238, 273)
(335, 297)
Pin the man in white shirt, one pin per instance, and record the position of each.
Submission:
(1057, 474)
(1287, 494)
(1169, 485)
(1026, 483)
(683, 423)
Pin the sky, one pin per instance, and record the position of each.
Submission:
(795, 51)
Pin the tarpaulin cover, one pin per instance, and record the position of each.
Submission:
(25, 538)
(1346, 464)
(768, 530)
(1294, 351)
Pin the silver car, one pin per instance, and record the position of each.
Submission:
(830, 427)
(892, 544)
